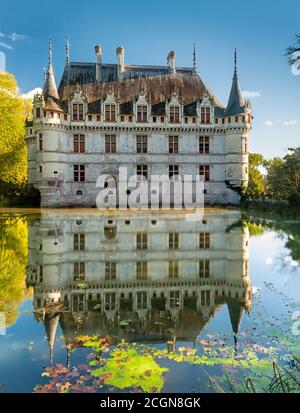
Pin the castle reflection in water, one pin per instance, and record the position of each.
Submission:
(143, 277)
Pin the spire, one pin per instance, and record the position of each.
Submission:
(51, 323)
(194, 58)
(236, 309)
(236, 102)
(50, 93)
(67, 50)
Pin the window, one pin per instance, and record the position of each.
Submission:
(245, 146)
(205, 298)
(236, 119)
(141, 144)
(141, 298)
(173, 269)
(90, 118)
(173, 170)
(173, 144)
(141, 241)
(204, 171)
(141, 270)
(79, 173)
(79, 271)
(162, 119)
(110, 270)
(205, 115)
(204, 268)
(204, 145)
(78, 302)
(98, 118)
(41, 274)
(40, 142)
(110, 144)
(79, 143)
(204, 240)
(65, 116)
(173, 240)
(110, 113)
(216, 120)
(186, 120)
(142, 170)
(110, 301)
(174, 114)
(141, 113)
(77, 111)
(79, 242)
(175, 300)
(154, 119)
(38, 113)
(41, 169)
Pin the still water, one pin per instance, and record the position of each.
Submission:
(148, 302)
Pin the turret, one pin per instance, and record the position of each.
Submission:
(98, 51)
(50, 94)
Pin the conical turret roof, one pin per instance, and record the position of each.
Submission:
(236, 102)
(50, 94)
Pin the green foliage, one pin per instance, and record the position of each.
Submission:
(13, 149)
(13, 261)
(256, 185)
(284, 177)
(130, 368)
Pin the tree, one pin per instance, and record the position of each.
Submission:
(293, 52)
(13, 150)
(256, 185)
(284, 177)
(13, 262)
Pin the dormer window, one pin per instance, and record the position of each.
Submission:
(77, 111)
(110, 113)
(141, 113)
(205, 115)
(174, 114)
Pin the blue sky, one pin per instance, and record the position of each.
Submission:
(261, 31)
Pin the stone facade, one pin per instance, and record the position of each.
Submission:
(97, 103)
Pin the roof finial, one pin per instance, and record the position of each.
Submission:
(67, 50)
(50, 52)
(235, 60)
(194, 58)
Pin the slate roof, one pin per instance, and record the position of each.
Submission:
(155, 82)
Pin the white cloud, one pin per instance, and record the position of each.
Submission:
(31, 93)
(6, 46)
(290, 123)
(250, 94)
(16, 37)
(268, 123)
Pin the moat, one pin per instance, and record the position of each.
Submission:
(148, 302)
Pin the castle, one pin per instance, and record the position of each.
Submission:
(143, 277)
(150, 119)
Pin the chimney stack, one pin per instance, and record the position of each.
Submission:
(98, 51)
(171, 61)
(120, 61)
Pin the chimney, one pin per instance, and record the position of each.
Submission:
(98, 51)
(171, 61)
(120, 61)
